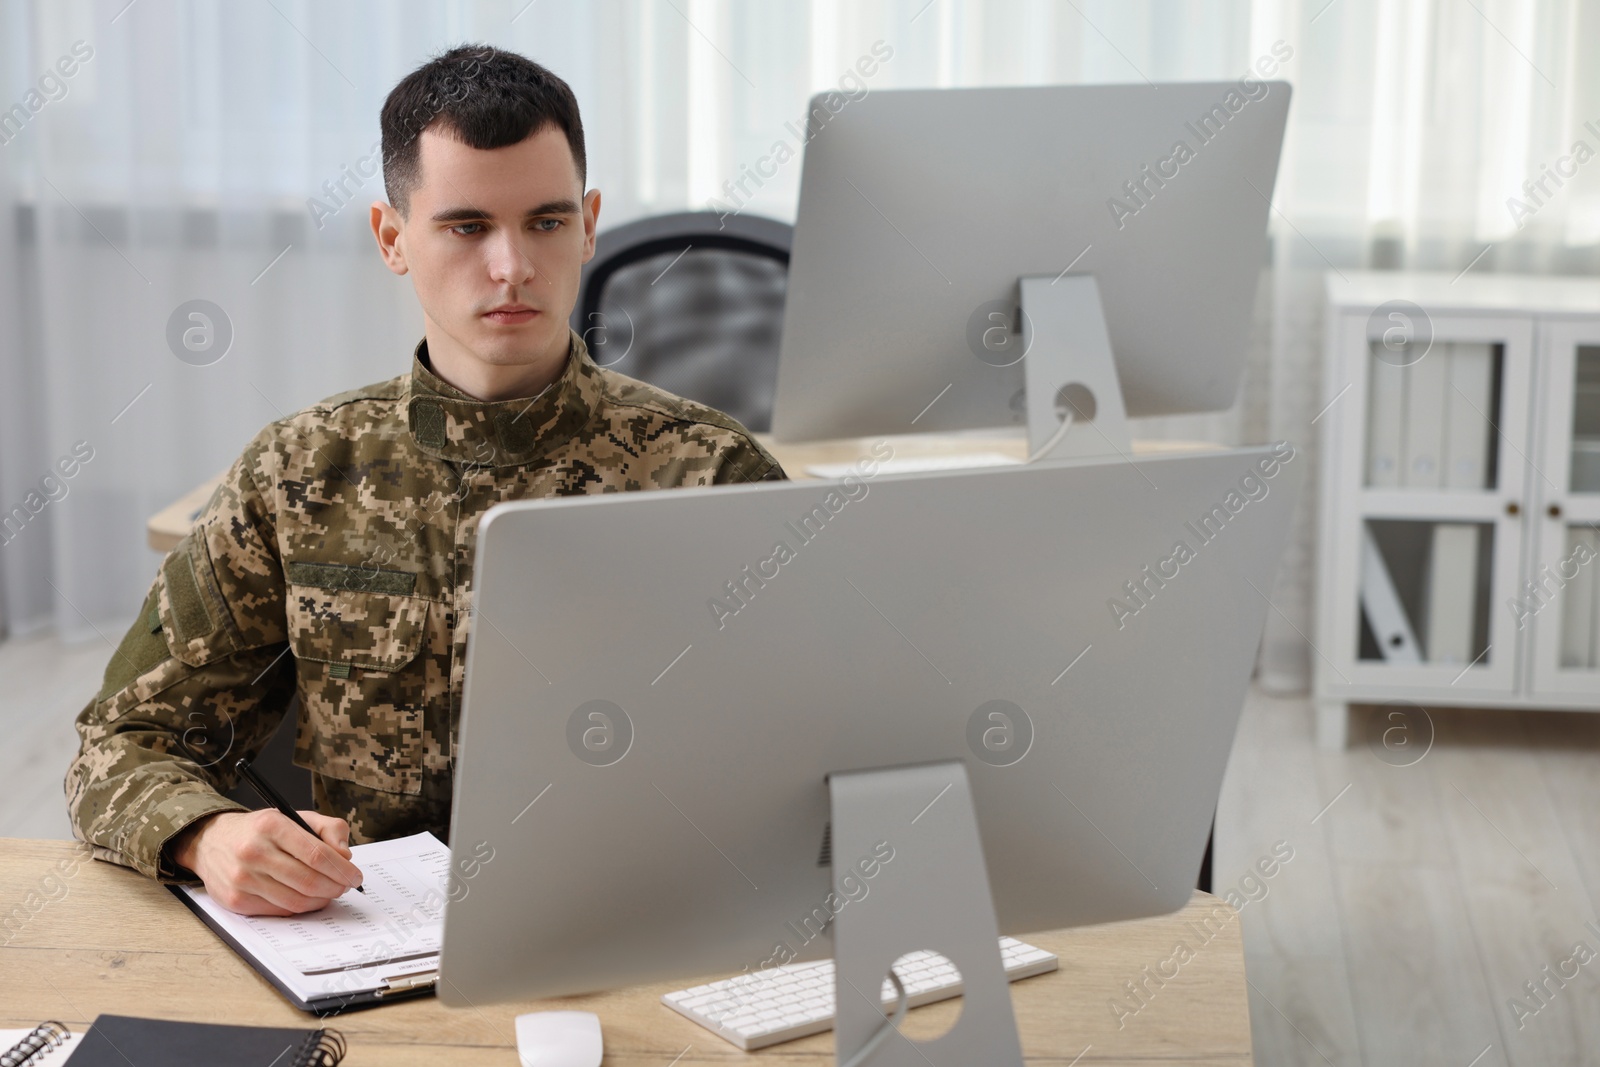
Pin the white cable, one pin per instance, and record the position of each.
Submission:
(889, 1026)
(1055, 438)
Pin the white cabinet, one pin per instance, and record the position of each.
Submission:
(1458, 553)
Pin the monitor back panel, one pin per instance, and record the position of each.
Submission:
(658, 684)
(919, 210)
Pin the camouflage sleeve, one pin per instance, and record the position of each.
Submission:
(200, 680)
(744, 460)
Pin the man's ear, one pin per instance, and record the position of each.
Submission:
(388, 227)
(591, 216)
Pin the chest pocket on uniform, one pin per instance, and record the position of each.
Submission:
(362, 688)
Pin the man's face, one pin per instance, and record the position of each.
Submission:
(495, 243)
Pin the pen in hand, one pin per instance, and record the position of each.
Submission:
(274, 798)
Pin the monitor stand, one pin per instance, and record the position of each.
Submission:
(1068, 369)
(932, 894)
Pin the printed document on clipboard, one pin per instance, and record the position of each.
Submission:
(361, 950)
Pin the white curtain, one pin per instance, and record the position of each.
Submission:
(209, 150)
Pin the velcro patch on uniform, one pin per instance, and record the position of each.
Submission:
(339, 670)
(191, 618)
(337, 576)
(427, 422)
(516, 432)
(142, 648)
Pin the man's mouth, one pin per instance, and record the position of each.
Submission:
(510, 314)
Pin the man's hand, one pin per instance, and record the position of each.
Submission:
(261, 863)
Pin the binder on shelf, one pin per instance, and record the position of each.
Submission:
(1578, 607)
(1452, 593)
(1385, 403)
(1468, 431)
(1423, 418)
(1586, 392)
(1381, 605)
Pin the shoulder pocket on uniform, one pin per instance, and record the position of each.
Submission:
(194, 615)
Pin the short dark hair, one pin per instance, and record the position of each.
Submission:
(483, 96)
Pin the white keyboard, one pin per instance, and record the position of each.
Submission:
(796, 1000)
(918, 464)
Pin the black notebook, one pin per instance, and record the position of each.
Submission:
(124, 1041)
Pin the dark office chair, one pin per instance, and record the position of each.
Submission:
(691, 303)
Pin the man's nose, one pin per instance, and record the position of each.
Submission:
(509, 263)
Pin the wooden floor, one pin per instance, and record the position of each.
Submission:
(1427, 886)
(43, 686)
(1421, 894)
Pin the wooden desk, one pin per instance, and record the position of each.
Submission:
(168, 526)
(101, 938)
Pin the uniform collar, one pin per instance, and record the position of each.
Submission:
(450, 425)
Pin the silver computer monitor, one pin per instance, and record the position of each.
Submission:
(658, 686)
(920, 209)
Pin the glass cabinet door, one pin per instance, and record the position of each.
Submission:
(1438, 442)
(1583, 447)
(1557, 603)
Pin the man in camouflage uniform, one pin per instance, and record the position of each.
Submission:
(335, 560)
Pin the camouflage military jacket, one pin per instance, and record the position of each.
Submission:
(335, 562)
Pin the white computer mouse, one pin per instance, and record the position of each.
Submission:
(559, 1039)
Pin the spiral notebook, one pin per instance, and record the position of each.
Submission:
(361, 950)
(125, 1041)
(46, 1045)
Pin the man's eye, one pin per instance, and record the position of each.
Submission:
(464, 228)
(548, 225)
